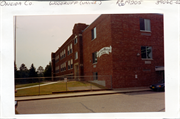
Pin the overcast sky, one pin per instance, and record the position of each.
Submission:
(38, 36)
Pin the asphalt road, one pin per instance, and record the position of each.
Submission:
(147, 101)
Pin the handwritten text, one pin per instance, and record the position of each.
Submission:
(130, 2)
(5, 3)
(167, 2)
(75, 2)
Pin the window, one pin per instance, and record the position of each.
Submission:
(145, 24)
(57, 58)
(146, 52)
(75, 40)
(71, 63)
(71, 48)
(61, 55)
(95, 75)
(57, 69)
(94, 57)
(93, 33)
(68, 50)
(76, 55)
(64, 53)
(63, 67)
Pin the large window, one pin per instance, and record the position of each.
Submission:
(145, 24)
(76, 55)
(146, 52)
(93, 33)
(94, 57)
(95, 75)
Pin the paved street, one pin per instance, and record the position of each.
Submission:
(146, 101)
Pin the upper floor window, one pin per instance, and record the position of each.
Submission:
(64, 53)
(61, 55)
(68, 50)
(94, 57)
(57, 58)
(71, 50)
(146, 52)
(76, 55)
(93, 33)
(145, 24)
(75, 40)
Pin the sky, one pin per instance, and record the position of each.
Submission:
(38, 36)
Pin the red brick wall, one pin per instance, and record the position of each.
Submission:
(127, 42)
(122, 32)
(103, 39)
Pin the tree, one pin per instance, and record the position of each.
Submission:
(47, 72)
(32, 71)
(40, 71)
(23, 71)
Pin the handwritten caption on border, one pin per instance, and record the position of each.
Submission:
(118, 2)
(5, 3)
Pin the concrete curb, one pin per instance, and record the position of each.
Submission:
(43, 97)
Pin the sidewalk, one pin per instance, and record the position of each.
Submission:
(87, 93)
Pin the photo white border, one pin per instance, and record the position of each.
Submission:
(171, 14)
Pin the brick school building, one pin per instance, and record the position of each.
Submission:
(127, 47)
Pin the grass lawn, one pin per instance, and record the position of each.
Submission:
(48, 89)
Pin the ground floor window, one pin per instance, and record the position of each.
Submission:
(94, 57)
(95, 75)
(146, 52)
